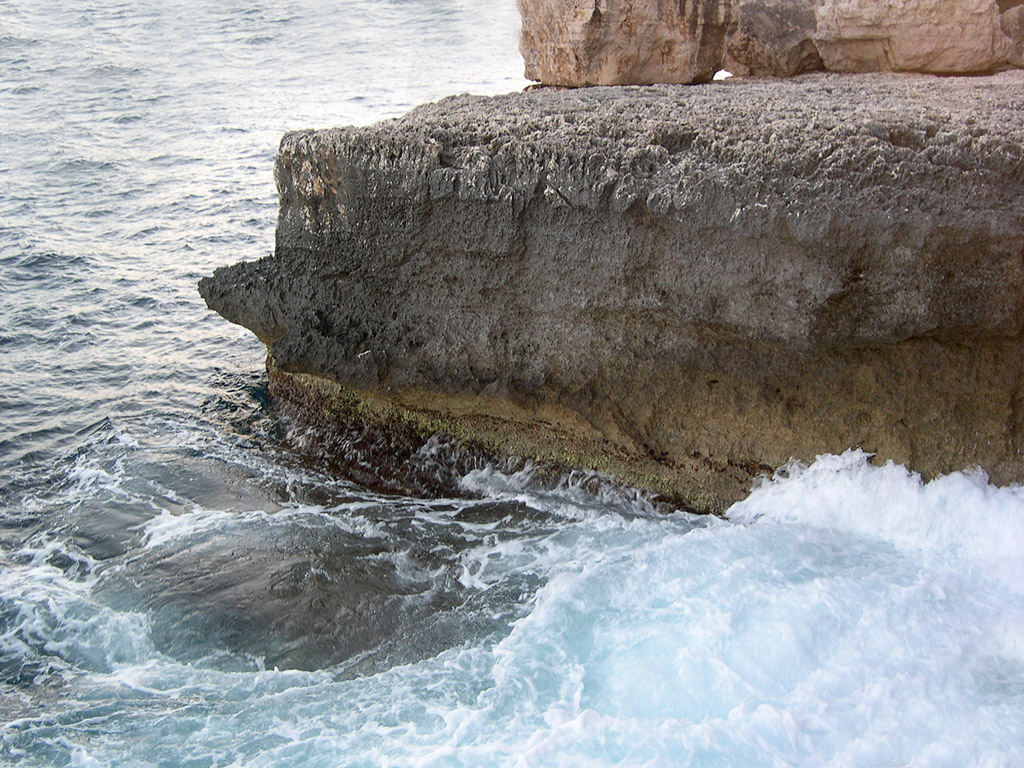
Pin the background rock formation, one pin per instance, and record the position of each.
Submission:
(940, 36)
(588, 42)
(773, 37)
(612, 42)
(681, 286)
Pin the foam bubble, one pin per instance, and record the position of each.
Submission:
(573, 495)
(823, 624)
(51, 621)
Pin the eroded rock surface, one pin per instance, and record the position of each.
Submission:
(683, 286)
(773, 37)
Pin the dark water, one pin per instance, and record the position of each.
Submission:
(182, 584)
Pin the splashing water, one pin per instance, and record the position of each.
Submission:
(179, 588)
(844, 614)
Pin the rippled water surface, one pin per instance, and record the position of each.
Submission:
(182, 585)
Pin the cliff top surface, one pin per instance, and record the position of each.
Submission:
(604, 116)
(815, 130)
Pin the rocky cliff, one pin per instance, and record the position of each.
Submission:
(682, 286)
(941, 36)
(604, 42)
(610, 42)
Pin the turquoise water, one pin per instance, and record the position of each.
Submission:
(181, 584)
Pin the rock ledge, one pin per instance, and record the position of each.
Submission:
(682, 286)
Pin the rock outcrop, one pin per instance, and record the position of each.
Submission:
(681, 286)
(773, 37)
(611, 42)
(606, 42)
(940, 36)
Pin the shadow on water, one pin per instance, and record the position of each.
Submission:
(306, 598)
(369, 583)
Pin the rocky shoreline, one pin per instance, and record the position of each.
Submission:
(681, 286)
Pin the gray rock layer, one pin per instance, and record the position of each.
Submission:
(701, 281)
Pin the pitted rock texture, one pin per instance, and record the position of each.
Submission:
(684, 286)
(610, 42)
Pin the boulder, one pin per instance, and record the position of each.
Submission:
(1011, 24)
(610, 42)
(607, 42)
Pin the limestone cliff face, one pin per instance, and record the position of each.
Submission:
(941, 36)
(683, 286)
(588, 42)
(609, 42)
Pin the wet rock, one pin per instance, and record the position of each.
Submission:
(680, 286)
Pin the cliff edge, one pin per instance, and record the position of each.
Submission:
(681, 286)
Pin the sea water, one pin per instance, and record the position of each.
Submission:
(182, 585)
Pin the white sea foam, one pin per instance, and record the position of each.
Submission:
(51, 621)
(809, 643)
(801, 636)
(958, 518)
(168, 527)
(576, 495)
